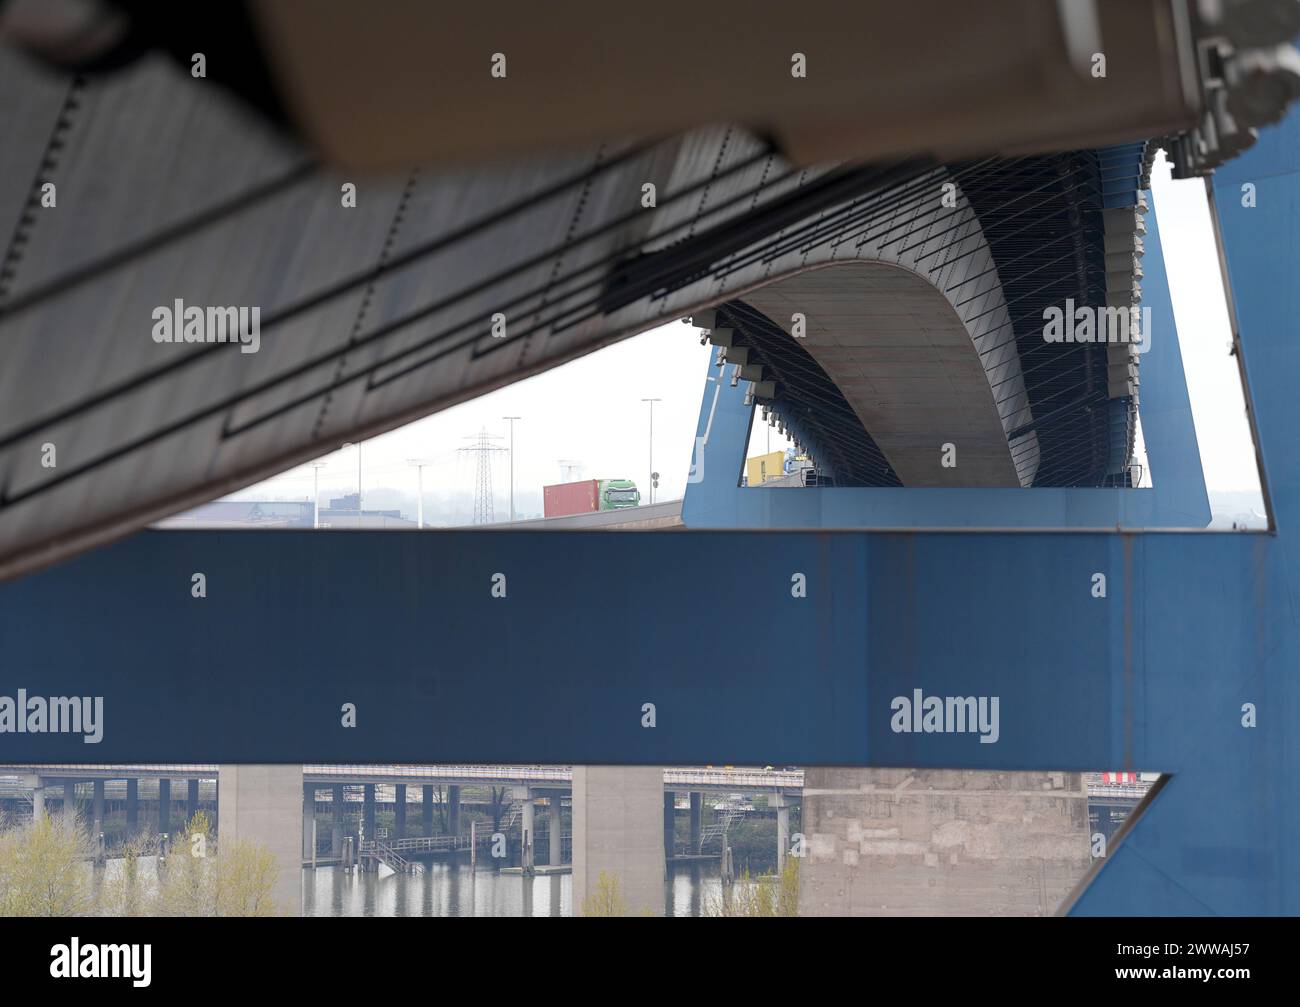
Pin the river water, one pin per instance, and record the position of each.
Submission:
(458, 890)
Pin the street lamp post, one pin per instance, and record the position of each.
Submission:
(512, 463)
(315, 519)
(651, 487)
(419, 464)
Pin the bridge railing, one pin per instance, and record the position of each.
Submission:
(674, 776)
(497, 774)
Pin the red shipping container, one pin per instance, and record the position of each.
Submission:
(571, 498)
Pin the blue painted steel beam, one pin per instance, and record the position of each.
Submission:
(704, 626)
(594, 624)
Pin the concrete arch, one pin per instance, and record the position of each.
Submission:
(911, 369)
(905, 312)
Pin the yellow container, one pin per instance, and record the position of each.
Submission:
(761, 468)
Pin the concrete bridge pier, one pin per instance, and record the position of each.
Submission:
(399, 811)
(69, 799)
(309, 823)
(263, 804)
(132, 807)
(191, 800)
(697, 820)
(453, 810)
(38, 797)
(164, 806)
(426, 809)
(336, 824)
(618, 830)
(782, 805)
(527, 835)
(97, 819)
(368, 812)
(556, 842)
(670, 823)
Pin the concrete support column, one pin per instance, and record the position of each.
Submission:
(697, 818)
(670, 823)
(97, 818)
(38, 799)
(453, 810)
(618, 830)
(782, 805)
(368, 811)
(527, 834)
(164, 806)
(191, 800)
(308, 821)
(132, 807)
(69, 799)
(263, 804)
(426, 809)
(557, 826)
(399, 811)
(336, 825)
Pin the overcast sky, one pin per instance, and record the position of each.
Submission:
(590, 411)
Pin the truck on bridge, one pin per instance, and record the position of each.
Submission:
(589, 496)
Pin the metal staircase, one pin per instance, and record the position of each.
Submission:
(385, 853)
(719, 827)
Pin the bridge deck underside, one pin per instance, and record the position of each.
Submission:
(1043, 220)
(905, 363)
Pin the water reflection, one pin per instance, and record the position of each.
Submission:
(459, 890)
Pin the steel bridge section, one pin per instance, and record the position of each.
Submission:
(1177, 498)
(1195, 629)
(1153, 676)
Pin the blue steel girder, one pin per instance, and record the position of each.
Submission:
(258, 668)
(295, 624)
(593, 626)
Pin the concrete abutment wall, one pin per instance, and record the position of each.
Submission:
(899, 842)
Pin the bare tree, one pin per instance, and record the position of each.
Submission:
(43, 870)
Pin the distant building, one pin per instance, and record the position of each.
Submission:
(341, 513)
(244, 513)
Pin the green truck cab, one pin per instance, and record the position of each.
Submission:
(615, 494)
